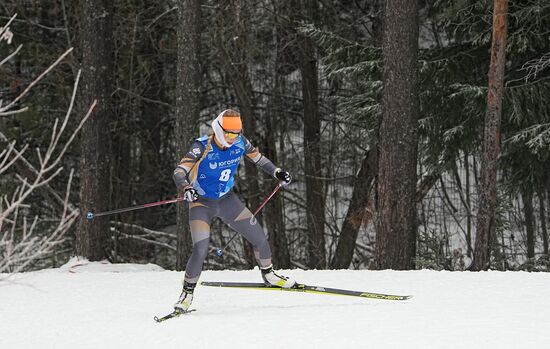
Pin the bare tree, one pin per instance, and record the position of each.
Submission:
(491, 146)
(397, 149)
(356, 211)
(20, 243)
(529, 214)
(542, 217)
(274, 213)
(97, 57)
(187, 104)
(233, 44)
(315, 198)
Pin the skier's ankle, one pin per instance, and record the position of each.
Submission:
(267, 269)
(189, 287)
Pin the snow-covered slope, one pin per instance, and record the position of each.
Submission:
(99, 305)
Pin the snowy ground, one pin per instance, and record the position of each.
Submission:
(112, 306)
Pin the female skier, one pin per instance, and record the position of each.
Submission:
(206, 175)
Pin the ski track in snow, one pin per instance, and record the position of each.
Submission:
(98, 305)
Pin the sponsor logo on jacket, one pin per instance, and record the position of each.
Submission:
(229, 162)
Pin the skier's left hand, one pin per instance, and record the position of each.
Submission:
(190, 194)
(284, 177)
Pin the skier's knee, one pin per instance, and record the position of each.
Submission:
(200, 250)
(263, 248)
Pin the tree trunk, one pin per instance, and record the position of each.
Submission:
(274, 212)
(491, 147)
(527, 198)
(356, 212)
(365, 179)
(396, 226)
(274, 216)
(315, 201)
(234, 47)
(464, 194)
(542, 208)
(187, 105)
(470, 251)
(150, 161)
(95, 38)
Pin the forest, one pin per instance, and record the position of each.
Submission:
(417, 132)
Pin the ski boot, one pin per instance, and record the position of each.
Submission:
(186, 297)
(273, 279)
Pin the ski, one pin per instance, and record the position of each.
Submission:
(305, 289)
(173, 314)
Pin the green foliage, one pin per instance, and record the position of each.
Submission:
(453, 66)
(356, 68)
(526, 119)
(453, 62)
(432, 254)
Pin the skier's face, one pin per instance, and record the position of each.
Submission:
(231, 135)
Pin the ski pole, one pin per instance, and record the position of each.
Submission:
(219, 251)
(90, 215)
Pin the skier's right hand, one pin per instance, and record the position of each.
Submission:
(190, 194)
(283, 176)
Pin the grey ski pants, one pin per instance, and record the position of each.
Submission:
(234, 213)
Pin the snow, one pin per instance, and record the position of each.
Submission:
(101, 305)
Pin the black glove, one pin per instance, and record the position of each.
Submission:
(284, 177)
(190, 194)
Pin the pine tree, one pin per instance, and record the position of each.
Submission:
(187, 104)
(95, 39)
(491, 149)
(397, 149)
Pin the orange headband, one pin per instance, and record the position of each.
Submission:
(231, 120)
